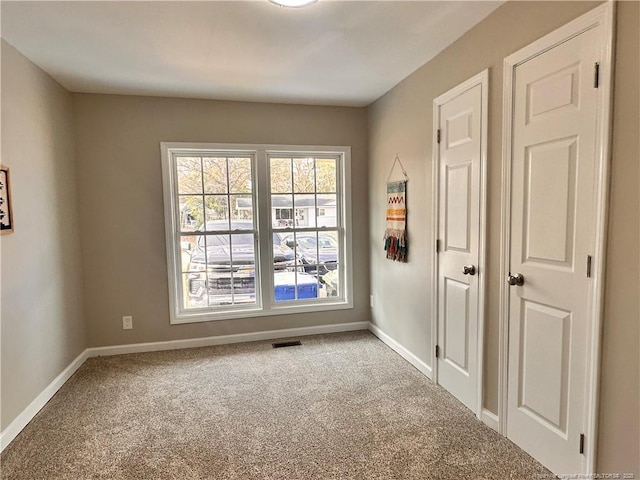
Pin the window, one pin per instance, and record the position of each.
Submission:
(256, 230)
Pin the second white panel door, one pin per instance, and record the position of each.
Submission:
(555, 173)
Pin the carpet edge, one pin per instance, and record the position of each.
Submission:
(402, 351)
(22, 420)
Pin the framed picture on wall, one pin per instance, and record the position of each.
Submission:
(6, 215)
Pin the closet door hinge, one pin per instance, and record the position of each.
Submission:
(596, 75)
(437, 246)
(582, 443)
(438, 136)
(437, 351)
(589, 259)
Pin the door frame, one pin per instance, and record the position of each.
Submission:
(603, 15)
(481, 79)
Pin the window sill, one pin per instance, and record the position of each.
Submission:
(251, 312)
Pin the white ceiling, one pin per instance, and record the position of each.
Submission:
(331, 53)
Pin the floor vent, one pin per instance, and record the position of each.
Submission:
(286, 344)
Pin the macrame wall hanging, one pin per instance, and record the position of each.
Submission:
(395, 235)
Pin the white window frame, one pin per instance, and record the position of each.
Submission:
(265, 298)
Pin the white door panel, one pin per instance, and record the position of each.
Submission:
(549, 202)
(552, 233)
(457, 222)
(456, 325)
(543, 378)
(459, 155)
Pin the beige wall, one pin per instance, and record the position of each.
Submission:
(122, 220)
(401, 123)
(620, 384)
(121, 228)
(42, 320)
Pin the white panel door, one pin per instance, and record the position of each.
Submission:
(552, 234)
(459, 154)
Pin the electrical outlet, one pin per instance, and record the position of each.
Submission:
(371, 301)
(127, 323)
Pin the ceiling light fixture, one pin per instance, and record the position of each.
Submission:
(293, 3)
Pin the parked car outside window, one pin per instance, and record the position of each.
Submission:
(224, 264)
(317, 255)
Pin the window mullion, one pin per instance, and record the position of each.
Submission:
(177, 238)
(341, 192)
(294, 226)
(265, 239)
(229, 210)
(315, 215)
(206, 239)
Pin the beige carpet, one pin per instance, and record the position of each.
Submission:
(340, 406)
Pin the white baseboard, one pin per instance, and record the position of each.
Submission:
(490, 419)
(21, 421)
(402, 351)
(225, 339)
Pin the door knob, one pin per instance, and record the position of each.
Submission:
(469, 270)
(516, 279)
